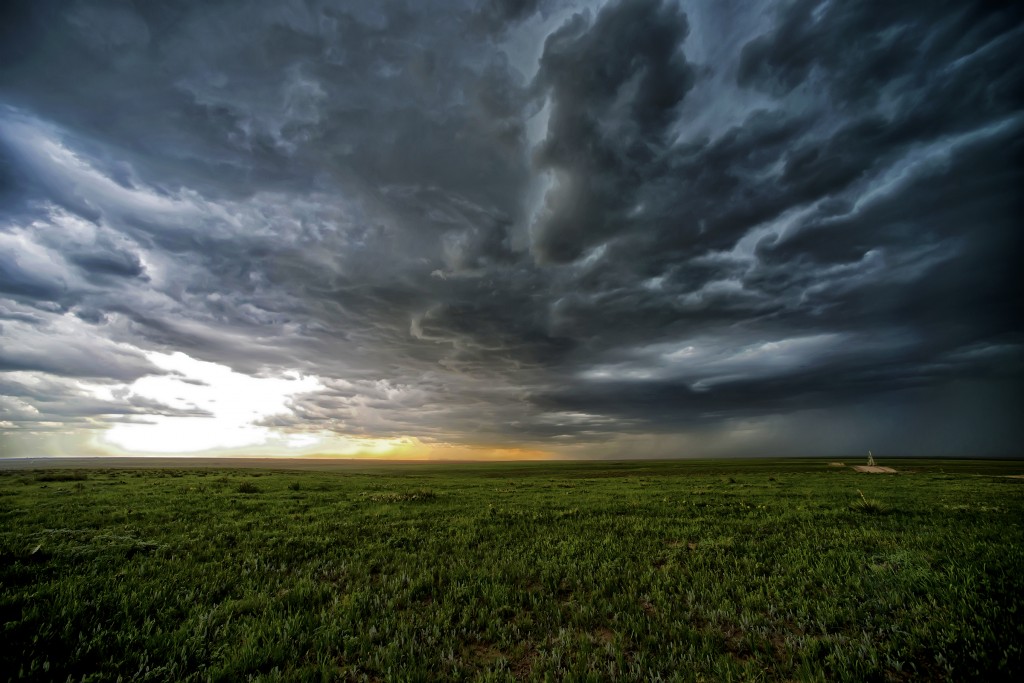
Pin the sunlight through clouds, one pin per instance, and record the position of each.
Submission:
(234, 402)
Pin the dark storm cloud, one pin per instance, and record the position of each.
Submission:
(497, 16)
(614, 85)
(518, 222)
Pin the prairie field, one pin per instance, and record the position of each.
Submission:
(758, 570)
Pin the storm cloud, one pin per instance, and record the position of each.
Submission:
(630, 228)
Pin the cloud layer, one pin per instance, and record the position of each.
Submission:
(633, 228)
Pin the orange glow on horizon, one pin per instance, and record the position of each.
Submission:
(341, 447)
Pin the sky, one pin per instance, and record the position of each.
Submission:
(511, 228)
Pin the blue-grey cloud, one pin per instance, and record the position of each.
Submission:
(534, 222)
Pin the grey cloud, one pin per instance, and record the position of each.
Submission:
(63, 346)
(863, 50)
(109, 262)
(613, 86)
(20, 278)
(498, 15)
(459, 243)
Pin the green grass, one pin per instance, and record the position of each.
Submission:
(757, 570)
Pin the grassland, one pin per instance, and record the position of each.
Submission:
(564, 571)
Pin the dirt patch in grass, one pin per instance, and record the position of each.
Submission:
(837, 464)
(874, 469)
(485, 654)
(603, 635)
(522, 667)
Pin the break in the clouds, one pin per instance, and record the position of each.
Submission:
(629, 228)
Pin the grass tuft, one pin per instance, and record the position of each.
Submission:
(869, 506)
(248, 487)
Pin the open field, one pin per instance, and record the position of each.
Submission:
(734, 570)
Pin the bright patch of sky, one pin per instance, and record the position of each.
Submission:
(235, 404)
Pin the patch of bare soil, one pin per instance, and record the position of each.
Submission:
(874, 469)
(522, 668)
(837, 464)
(485, 654)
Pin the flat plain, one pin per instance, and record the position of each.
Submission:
(683, 570)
